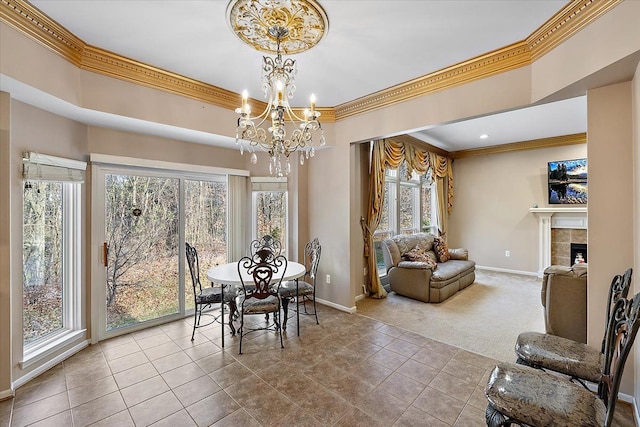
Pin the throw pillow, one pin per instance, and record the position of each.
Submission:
(418, 254)
(415, 254)
(441, 249)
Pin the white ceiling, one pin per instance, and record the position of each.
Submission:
(371, 45)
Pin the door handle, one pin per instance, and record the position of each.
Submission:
(105, 252)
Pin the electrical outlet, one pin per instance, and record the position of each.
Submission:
(328, 279)
(507, 253)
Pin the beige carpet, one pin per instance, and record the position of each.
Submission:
(484, 318)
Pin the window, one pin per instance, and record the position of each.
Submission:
(408, 207)
(51, 254)
(270, 213)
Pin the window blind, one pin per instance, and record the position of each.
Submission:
(268, 183)
(41, 167)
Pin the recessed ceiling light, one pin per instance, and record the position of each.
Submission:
(484, 136)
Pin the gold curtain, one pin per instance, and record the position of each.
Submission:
(442, 170)
(391, 154)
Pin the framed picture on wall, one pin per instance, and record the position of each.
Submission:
(568, 182)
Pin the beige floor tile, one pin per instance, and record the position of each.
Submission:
(324, 405)
(121, 350)
(215, 361)
(62, 419)
(86, 393)
(155, 409)
(86, 376)
(127, 362)
(154, 340)
(402, 387)
(464, 371)
(403, 347)
(199, 350)
(372, 373)
(471, 417)
(475, 359)
(356, 418)
(478, 399)
(238, 418)
(414, 417)
(40, 409)
(230, 374)
(119, 419)
(452, 386)
(440, 405)
(389, 358)
(196, 390)
(179, 419)
(171, 361)
(350, 388)
(143, 390)
(97, 409)
(418, 371)
(182, 375)
(432, 358)
(383, 406)
(162, 350)
(116, 341)
(300, 418)
(212, 409)
(30, 393)
(6, 407)
(135, 375)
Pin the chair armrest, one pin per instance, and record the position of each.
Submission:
(459, 253)
(418, 265)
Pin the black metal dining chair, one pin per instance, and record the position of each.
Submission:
(260, 294)
(303, 291)
(205, 298)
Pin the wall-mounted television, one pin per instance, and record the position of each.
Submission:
(567, 181)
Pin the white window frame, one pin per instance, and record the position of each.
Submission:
(72, 324)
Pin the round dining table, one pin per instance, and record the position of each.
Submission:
(227, 274)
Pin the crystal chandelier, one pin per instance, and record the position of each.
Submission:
(278, 130)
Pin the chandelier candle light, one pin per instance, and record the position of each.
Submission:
(290, 26)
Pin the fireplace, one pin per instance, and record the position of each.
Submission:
(578, 253)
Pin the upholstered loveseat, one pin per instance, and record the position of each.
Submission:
(417, 269)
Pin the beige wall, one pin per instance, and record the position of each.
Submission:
(610, 208)
(492, 197)
(5, 244)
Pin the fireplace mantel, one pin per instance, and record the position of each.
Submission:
(548, 218)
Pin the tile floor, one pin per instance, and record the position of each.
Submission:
(347, 371)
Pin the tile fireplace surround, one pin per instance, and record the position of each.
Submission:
(574, 219)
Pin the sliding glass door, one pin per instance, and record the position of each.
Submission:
(141, 230)
(143, 218)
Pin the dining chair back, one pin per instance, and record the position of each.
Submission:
(266, 242)
(259, 294)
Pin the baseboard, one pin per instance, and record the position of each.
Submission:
(336, 306)
(7, 394)
(360, 297)
(506, 270)
(48, 365)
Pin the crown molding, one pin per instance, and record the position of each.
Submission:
(27, 19)
(498, 61)
(576, 15)
(557, 141)
(570, 19)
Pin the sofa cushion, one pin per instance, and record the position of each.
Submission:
(451, 269)
(441, 249)
(428, 263)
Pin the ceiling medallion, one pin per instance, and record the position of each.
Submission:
(251, 21)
